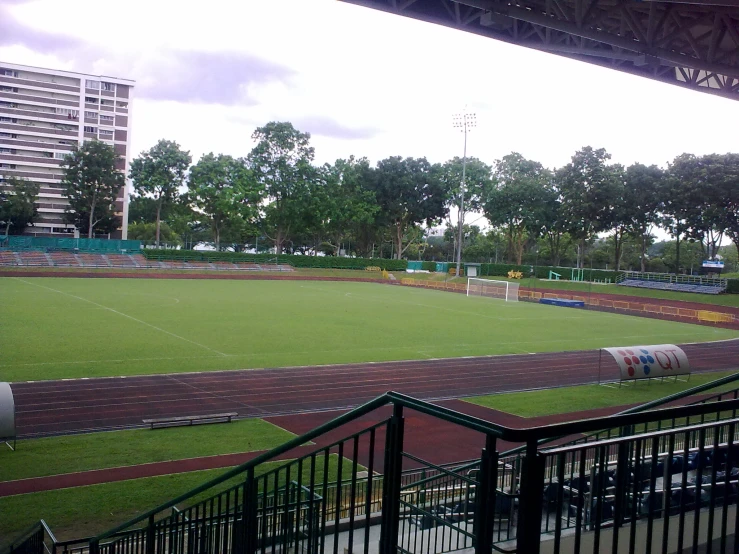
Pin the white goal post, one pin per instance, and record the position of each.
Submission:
(494, 289)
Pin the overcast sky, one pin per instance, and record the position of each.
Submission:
(360, 81)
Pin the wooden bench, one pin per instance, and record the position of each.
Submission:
(190, 420)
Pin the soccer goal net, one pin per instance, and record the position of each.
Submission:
(494, 289)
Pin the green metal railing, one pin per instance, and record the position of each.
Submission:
(661, 483)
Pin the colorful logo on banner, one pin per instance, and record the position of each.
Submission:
(645, 362)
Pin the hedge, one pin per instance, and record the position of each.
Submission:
(542, 272)
(732, 286)
(325, 262)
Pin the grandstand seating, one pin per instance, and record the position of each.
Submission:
(224, 265)
(679, 287)
(64, 259)
(68, 258)
(34, 258)
(92, 260)
(120, 260)
(198, 265)
(8, 258)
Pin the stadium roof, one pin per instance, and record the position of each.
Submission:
(688, 43)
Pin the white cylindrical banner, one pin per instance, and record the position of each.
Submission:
(7, 412)
(647, 362)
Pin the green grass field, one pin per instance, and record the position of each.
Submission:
(589, 397)
(64, 328)
(71, 453)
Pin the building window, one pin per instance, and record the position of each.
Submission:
(92, 84)
(91, 100)
(110, 87)
(8, 135)
(7, 151)
(71, 114)
(8, 73)
(8, 89)
(90, 129)
(8, 166)
(8, 105)
(105, 133)
(93, 115)
(109, 118)
(8, 120)
(59, 155)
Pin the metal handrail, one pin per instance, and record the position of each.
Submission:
(530, 435)
(648, 406)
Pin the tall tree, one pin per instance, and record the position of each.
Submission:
(515, 200)
(682, 199)
(17, 208)
(91, 184)
(282, 164)
(347, 200)
(589, 189)
(222, 189)
(159, 173)
(477, 182)
(409, 192)
(643, 194)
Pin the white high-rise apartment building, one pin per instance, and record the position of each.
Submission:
(44, 113)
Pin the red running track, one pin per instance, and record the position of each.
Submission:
(68, 406)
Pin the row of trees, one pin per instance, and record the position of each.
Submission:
(276, 192)
(277, 197)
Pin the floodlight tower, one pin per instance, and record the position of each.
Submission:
(464, 122)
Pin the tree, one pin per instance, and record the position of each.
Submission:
(477, 182)
(409, 192)
(347, 200)
(282, 165)
(91, 184)
(589, 189)
(148, 231)
(643, 192)
(17, 208)
(682, 197)
(159, 173)
(222, 189)
(552, 222)
(515, 200)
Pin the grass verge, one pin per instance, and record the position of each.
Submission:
(590, 397)
(67, 454)
(86, 511)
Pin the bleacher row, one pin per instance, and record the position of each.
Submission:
(678, 287)
(34, 258)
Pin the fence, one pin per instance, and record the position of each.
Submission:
(668, 488)
(631, 307)
(22, 242)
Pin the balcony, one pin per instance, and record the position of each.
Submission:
(40, 99)
(17, 112)
(39, 84)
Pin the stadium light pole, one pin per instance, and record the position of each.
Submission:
(464, 122)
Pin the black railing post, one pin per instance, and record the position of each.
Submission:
(94, 547)
(485, 497)
(530, 508)
(391, 482)
(150, 536)
(245, 541)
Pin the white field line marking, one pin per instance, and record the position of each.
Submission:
(124, 315)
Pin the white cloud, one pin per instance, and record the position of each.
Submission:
(344, 70)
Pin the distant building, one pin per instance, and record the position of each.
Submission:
(44, 113)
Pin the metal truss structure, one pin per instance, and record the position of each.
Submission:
(690, 43)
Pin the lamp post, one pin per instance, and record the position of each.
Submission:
(464, 122)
